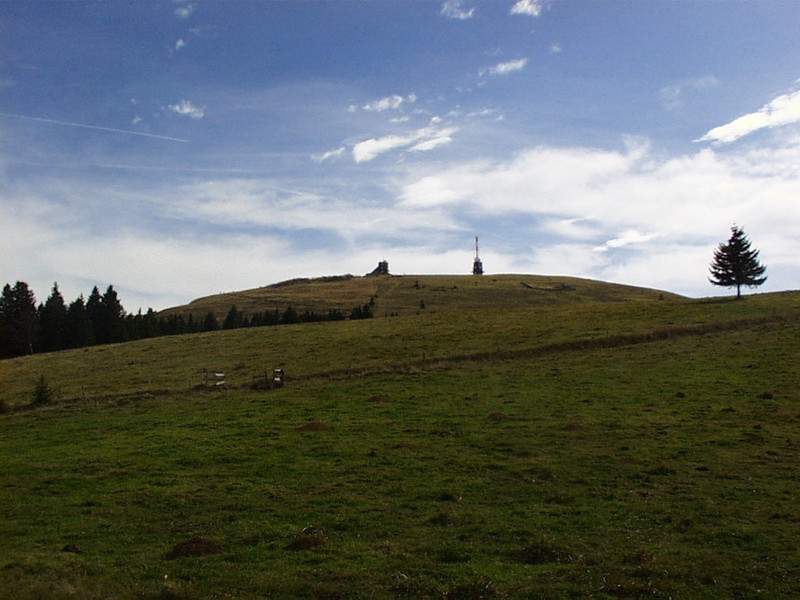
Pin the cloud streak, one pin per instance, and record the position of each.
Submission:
(453, 9)
(783, 110)
(95, 127)
(421, 140)
(393, 102)
(505, 68)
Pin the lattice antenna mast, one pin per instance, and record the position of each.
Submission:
(477, 265)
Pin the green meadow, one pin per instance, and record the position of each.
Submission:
(619, 444)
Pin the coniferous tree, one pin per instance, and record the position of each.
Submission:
(233, 319)
(78, 327)
(209, 323)
(52, 322)
(290, 316)
(736, 264)
(18, 320)
(42, 394)
(94, 312)
(112, 318)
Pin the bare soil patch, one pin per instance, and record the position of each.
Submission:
(195, 546)
(497, 417)
(306, 542)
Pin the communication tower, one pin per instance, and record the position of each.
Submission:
(477, 265)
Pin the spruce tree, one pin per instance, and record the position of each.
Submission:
(736, 264)
(52, 321)
(113, 317)
(78, 328)
(19, 325)
(233, 320)
(94, 312)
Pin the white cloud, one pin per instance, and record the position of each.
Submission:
(330, 154)
(438, 139)
(555, 48)
(369, 149)
(393, 102)
(180, 45)
(186, 109)
(622, 215)
(184, 12)
(420, 140)
(505, 68)
(453, 9)
(783, 110)
(627, 238)
(531, 8)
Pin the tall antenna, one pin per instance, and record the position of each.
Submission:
(477, 265)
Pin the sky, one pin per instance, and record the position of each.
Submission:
(177, 149)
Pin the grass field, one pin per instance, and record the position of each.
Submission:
(404, 295)
(629, 449)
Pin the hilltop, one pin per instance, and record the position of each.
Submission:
(408, 294)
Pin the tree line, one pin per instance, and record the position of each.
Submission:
(28, 328)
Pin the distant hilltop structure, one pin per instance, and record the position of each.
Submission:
(477, 264)
(381, 269)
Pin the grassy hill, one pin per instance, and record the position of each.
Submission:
(402, 295)
(561, 449)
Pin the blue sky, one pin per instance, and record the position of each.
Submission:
(177, 149)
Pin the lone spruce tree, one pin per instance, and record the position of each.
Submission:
(736, 264)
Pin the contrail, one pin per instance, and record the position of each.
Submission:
(97, 127)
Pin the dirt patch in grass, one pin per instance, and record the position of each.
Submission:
(378, 398)
(306, 542)
(196, 546)
(539, 553)
(314, 426)
(402, 445)
(497, 417)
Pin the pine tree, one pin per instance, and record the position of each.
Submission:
(735, 264)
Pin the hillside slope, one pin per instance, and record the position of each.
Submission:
(641, 449)
(406, 294)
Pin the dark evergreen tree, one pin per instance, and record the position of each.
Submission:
(42, 394)
(112, 318)
(233, 319)
(290, 316)
(361, 312)
(78, 328)
(18, 321)
(52, 322)
(209, 323)
(736, 264)
(94, 312)
(336, 315)
(150, 327)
